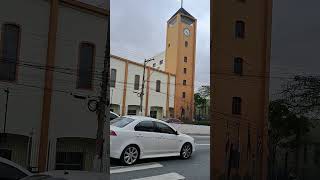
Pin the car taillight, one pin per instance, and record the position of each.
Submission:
(112, 133)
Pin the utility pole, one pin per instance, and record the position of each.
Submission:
(143, 81)
(103, 138)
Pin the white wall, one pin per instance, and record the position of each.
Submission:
(116, 93)
(70, 117)
(158, 99)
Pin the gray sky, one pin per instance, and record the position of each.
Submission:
(295, 40)
(138, 30)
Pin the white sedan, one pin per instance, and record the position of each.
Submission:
(135, 137)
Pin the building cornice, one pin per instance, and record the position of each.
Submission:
(85, 7)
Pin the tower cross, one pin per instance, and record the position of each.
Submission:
(181, 3)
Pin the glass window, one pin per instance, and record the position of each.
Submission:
(184, 82)
(154, 65)
(186, 44)
(236, 105)
(121, 122)
(10, 173)
(132, 112)
(185, 70)
(5, 153)
(85, 70)
(187, 20)
(185, 59)
(238, 65)
(161, 62)
(147, 126)
(113, 78)
(184, 95)
(240, 29)
(158, 83)
(10, 52)
(136, 82)
(163, 128)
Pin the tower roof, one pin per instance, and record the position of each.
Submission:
(182, 11)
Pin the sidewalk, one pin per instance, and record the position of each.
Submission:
(196, 130)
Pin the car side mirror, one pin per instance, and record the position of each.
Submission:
(176, 133)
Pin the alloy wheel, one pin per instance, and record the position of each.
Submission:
(130, 155)
(186, 151)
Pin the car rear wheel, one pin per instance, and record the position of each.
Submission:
(186, 151)
(130, 155)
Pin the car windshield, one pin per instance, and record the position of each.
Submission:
(121, 122)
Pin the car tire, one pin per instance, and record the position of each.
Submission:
(130, 155)
(186, 151)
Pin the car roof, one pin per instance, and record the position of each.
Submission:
(6, 161)
(143, 118)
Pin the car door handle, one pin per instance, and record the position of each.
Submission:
(139, 135)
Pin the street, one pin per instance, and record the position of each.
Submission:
(173, 168)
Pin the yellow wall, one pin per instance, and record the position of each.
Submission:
(252, 87)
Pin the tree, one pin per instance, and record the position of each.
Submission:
(204, 92)
(301, 96)
(285, 129)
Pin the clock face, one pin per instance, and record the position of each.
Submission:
(186, 32)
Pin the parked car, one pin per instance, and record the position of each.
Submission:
(12, 171)
(113, 116)
(173, 120)
(135, 137)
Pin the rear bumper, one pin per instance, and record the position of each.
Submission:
(115, 149)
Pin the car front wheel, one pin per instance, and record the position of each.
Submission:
(129, 155)
(186, 151)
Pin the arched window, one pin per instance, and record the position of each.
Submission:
(240, 29)
(9, 52)
(158, 87)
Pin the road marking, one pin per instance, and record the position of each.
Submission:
(202, 144)
(169, 176)
(123, 169)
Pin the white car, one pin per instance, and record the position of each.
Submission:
(135, 137)
(12, 171)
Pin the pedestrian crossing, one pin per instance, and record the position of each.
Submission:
(141, 167)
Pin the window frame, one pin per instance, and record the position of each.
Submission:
(184, 95)
(236, 105)
(240, 34)
(136, 84)
(185, 59)
(238, 69)
(92, 66)
(186, 44)
(184, 82)
(158, 86)
(185, 70)
(18, 48)
(115, 78)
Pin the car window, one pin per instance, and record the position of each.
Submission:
(147, 126)
(163, 128)
(121, 122)
(10, 173)
(113, 116)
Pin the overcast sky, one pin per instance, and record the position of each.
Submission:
(138, 30)
(295, 40)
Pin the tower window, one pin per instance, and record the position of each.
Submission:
(240, 29)
(185, 70)
(183, 95)
(113, 78)
(236, 105)
(184, 82)
(185, 59)
(238, 65)
(161, 62)
(158, 83)
(154, 65)
(186, 43)
(169, 45)
(10, 52)
(85, 69)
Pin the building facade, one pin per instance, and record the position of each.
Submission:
(240, 56)
(52, 55)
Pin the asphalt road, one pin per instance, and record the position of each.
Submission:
(195, 168)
